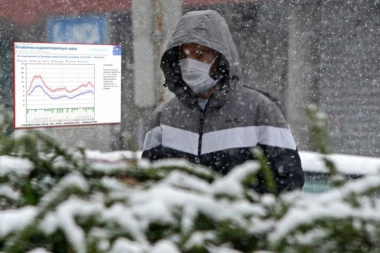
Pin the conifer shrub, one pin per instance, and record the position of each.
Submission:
(54, 199)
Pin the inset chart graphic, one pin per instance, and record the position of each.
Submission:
(58, 85)
(60, 93)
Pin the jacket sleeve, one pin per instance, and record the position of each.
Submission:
(278, 145)
(152, 149)
(286, 168)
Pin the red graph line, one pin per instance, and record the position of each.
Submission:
(58, 89)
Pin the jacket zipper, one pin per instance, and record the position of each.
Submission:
(201, 125)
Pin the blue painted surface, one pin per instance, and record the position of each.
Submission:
(89, 29)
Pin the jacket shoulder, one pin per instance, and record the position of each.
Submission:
(263, 97)
(166, 104)
(155, 117)
(259, 94)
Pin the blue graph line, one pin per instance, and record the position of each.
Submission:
(39, 86)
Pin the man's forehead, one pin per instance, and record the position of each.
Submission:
(195, 46)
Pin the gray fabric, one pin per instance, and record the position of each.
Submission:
(202, 103)
(176, 114)
(248, 108)
(207, 28)
(235, 107)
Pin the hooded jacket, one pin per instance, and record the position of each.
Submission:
(235, 120)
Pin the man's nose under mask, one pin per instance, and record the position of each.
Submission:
(196, 75)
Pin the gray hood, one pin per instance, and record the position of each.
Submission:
(207, 28)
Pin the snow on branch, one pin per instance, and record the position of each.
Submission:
(58, 200)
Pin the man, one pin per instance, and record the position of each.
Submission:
(214, 120)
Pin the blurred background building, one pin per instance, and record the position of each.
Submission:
(323, 52)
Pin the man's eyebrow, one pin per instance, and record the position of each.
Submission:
(205, 49)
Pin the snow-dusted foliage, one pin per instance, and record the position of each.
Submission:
(58, 200)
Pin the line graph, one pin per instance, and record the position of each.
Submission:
(36, 83)
(60, 93)
(66, 84)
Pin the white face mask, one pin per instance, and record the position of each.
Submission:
(196, 75)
